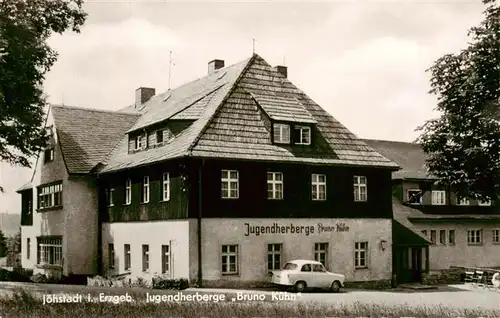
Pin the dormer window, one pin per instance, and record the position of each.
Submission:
(415, 196)
(49, 155)
(303, 135)
(281, 133)
(140, 142)
(159, 136)
(49, 131)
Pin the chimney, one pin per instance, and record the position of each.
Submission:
(142, 95)
(283, 70)
(214, 66)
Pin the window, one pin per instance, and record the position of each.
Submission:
(474, 237)
(166, 187)
(274, 256)
(109, 196)
(28, 248)
(318, 268)
(438, 197)
(486, 202)
(49, 131)
(159, 136)
(49, 155)
(281, 133)
(303, 135)
(128, 191)
(319, 187)
(275, 185)
(128, 259)
(229, 182)
(496, 236)
(140, 142)
(229, 259)
(360, 194)
(433, 237)
(451, 237)
(306, 268)
(50, 196)
(145, 189)
(442, 237)
(49, 251)
(415, 196)
(424, 233)
(165, 259)
(360, 254)
(463, 201)
(145, 258)
(111, 256)
(321, 253)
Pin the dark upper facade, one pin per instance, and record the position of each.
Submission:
(242, 141)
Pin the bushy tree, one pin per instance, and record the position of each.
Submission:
(25, 58)
(3, 245)
(13, 249)
(463, 144)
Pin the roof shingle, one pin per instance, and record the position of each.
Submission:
(228, 122)
(87, 136)
(409, 156)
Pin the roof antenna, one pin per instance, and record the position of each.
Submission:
(169, 69)
(253, 45)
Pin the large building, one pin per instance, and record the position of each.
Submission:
(463, 232)
(219, 181)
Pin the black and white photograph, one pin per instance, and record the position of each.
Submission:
(249, 158)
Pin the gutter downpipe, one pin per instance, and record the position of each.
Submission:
(200, 197)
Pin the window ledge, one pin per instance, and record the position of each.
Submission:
(127, 203)
(165, 201)
(59, 207)
(474, 244)
(230, 274)
(48, 266)
(361, 268)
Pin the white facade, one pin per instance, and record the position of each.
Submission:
(153, 234)
(75, 221)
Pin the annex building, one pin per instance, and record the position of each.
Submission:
(219, 180)
(462, 232)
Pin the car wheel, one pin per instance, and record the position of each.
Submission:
(335, 286)
(300, 286)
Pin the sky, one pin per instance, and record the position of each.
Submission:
(363, 61)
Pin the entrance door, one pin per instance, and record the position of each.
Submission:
(416, 264)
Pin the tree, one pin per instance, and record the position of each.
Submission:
(463, 144)
(13, 245)
(3, 245)
(25, 58)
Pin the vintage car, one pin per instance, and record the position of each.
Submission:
(302, 274)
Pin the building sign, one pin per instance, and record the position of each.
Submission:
(294, 229)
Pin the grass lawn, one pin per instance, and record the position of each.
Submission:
(25, 304)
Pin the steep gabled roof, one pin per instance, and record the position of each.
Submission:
(87, 136)
(205, 95)
(409, 156)
(231, 110)
(241, 127)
